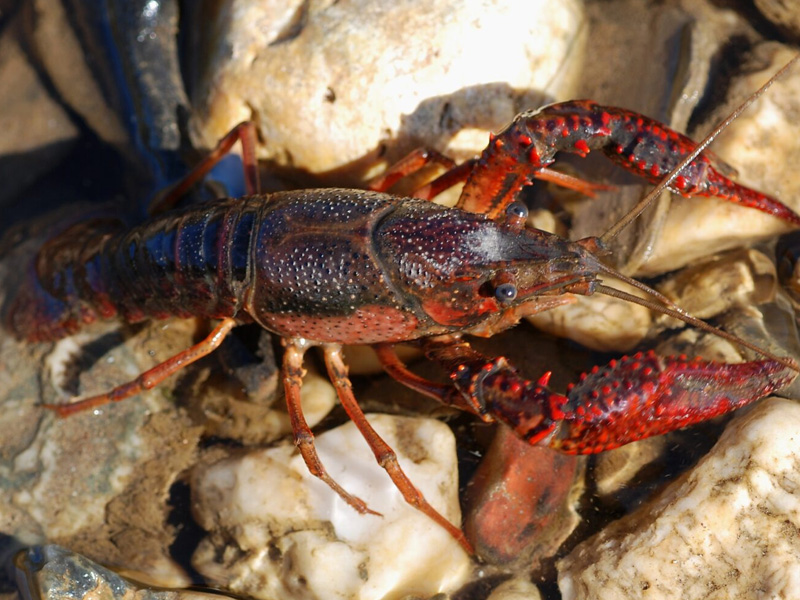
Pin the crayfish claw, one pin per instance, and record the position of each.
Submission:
(645, 395)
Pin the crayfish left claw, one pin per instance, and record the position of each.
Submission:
(646, 395)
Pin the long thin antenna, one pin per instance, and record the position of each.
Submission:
(615, 230)
(687, 318)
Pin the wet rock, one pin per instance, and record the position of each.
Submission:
(275, 531)
(354, 83)
(713, 286)
(98, 481)
(54, 573)
(729, 528)
(771, 326)
(614, 470)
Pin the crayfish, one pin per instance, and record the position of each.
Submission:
(329, 267)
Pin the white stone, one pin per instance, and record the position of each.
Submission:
(278, 532)
(727, 529)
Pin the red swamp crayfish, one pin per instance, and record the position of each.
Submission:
(330, 267)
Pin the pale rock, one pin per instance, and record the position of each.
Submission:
(713, 286)
(782, 14)
(598, 322)
(251, 423)
(336, 88)
(275, 531)
(727, 529)
(362, 360)
(515, 589)
(70, 73)
(47, 137)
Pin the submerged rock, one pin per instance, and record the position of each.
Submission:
(55, 573)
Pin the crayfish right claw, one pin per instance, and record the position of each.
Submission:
(646, 394)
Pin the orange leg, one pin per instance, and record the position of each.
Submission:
(385, 456)
(411, 163)
(151, 378)
(587, 188)
(244, 132)
(422, 157)
(445, 181)
(461, 172)
(444, 393)
(303, 437)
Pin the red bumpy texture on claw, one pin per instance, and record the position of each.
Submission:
(627, 400)
(637, 143)
(646, 395)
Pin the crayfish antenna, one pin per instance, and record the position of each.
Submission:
(672, 310)
(637, 210)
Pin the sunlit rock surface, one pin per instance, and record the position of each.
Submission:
(727, 529)
(381, 79)
(275, 531)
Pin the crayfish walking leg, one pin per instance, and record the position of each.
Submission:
(383, 453)
(151, 378)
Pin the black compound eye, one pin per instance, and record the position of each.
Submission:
(505, 292)
(517, 210)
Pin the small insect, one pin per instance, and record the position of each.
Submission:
(330, 267)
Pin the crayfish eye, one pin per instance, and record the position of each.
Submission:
(505, 292)
(517, 210)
